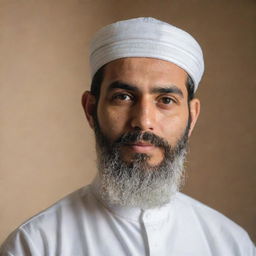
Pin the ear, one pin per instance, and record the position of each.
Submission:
(89, 106)
(194, 113)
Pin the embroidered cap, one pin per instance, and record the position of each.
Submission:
(147, 37)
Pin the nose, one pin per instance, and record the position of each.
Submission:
(143, 115)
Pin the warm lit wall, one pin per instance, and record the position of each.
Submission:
(46, 147)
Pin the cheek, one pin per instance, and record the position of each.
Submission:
(112, 122)
(173, 126)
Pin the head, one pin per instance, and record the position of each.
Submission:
(143, 111)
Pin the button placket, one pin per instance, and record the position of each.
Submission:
(153, 234)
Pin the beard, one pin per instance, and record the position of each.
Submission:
(136, 183)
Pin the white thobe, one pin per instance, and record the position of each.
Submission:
(80, 225)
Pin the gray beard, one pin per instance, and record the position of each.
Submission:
(137, 184)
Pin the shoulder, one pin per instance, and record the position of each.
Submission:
(204, 212)
(43, 228)
(206, 215)
(215, 226)
(71, 204)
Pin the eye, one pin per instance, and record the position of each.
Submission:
(166, 100)
(122, 98)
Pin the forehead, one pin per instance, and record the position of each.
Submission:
(145, 73)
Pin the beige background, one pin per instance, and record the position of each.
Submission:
(46, 147)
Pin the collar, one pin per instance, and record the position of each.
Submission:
(135, 214)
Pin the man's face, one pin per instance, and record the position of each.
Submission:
(147, 95)
(142, 123)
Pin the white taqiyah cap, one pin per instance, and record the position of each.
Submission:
(147, 37)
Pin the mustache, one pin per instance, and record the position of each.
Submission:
(136, 136)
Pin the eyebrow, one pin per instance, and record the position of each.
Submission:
(122, 85)
(160, 89)
(169, 89)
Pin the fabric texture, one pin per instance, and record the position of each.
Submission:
(147, 37)
(80, 224)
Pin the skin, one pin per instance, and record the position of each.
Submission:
(144, 94)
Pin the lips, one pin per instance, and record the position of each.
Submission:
(141, 147)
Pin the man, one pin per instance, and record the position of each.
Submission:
(142, 109)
